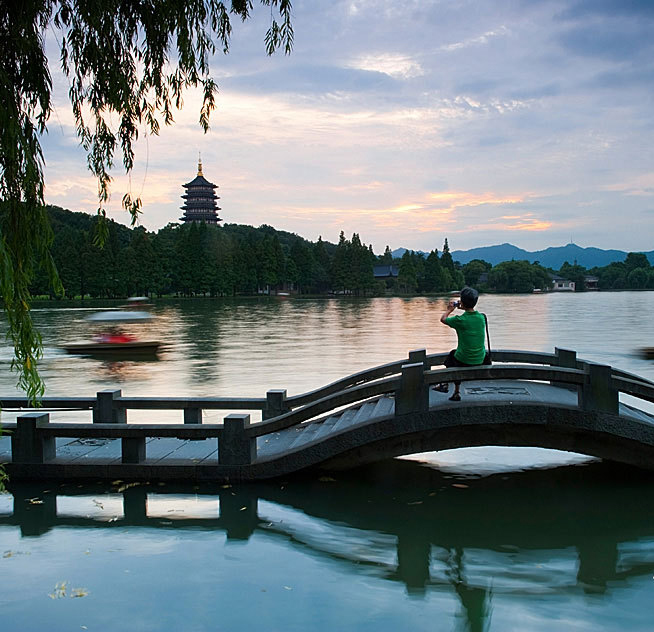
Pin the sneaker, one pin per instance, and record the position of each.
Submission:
(455, 398)
(441, 388)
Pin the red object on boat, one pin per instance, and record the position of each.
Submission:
(115, 338)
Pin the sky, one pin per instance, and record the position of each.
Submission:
(483, 122)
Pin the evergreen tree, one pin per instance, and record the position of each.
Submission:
(407, 277)
(446, 258)
(387, 257)
(340, 269)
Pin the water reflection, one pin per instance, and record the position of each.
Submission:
(562, 533)
(245, 346)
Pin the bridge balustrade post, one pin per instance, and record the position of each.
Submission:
(598, 392)
(28, 445)
(106, 410)
(234, 446)
(132, 449)
(564, 358)
(192, 415)
(412, 396)
(417, 355)
(275, 403)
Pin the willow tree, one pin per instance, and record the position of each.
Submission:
(129, 62)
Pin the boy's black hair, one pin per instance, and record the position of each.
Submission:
(469, 297)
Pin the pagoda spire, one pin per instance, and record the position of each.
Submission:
(199, 164)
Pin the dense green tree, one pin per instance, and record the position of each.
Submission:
(613, 276)
(635, 260)
(340, 265)
(473, 270)
(637, 278)
(407, 277)
(518, 276)
(321, 266)
(433, 280)
(361, 266)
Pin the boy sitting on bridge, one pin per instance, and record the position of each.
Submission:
(470, 328)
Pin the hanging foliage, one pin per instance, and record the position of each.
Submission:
(126, 61)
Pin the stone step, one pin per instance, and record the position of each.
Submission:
(308, 432)
(364, 412)
(327, 426)
(385, 406)
(276, 442)
(344, 419)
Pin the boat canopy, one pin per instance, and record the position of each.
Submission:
(120, 316)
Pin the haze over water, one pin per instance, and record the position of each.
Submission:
(496, 539)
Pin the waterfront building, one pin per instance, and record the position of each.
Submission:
(561, 284)
(200, 200)
(385, 271)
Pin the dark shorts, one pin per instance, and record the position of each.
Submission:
(451, 360)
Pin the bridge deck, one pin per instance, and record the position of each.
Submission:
(171, 453)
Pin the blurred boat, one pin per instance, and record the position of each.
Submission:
(111, 348)
(114, 342)
(647, 352)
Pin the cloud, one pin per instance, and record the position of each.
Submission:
(393, 65)
(479, 40)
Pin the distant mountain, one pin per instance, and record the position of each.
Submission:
(553, 257)
(397, 253)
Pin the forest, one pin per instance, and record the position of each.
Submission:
(232, 259)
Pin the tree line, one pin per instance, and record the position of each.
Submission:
(206, 260)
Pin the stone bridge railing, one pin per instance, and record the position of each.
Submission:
(408, 380)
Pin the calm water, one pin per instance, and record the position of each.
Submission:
(480, 539)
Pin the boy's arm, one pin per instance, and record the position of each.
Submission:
(450, 308)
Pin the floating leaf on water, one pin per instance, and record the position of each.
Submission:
(243, 509)
(59, 591)
(460, 485)
(34, 501)
(122, 488)
(415, 502)
(225, 486)
(287, 588)
(327, 479)
(8, 554)
(78, 592)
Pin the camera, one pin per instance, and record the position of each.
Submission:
(456, 303)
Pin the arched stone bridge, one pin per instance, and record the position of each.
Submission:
(525, 399)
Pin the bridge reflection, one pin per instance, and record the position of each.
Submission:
(511, 534)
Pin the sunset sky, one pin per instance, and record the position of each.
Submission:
(521, 121)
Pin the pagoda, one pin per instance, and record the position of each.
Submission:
(200, 200)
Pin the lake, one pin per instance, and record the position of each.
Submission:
(478, 539)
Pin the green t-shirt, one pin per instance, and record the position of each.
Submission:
(470, 330)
